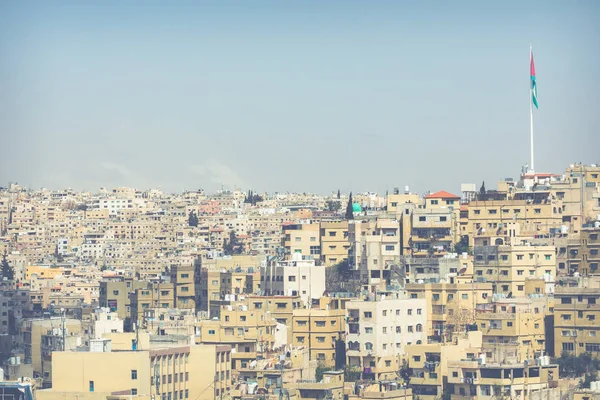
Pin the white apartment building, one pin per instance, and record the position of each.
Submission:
(295, 277)
(378, 331)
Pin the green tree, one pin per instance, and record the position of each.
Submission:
(319, 371)
(463, 245)
(232, 246)
(193, 219)
(349, 210)
(7, 271)
(482, 191)
(333, 205)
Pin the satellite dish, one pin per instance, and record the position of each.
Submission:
(509, 295)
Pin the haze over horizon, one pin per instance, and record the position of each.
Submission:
(305, 97)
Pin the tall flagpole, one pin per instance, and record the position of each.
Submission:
(531, 166)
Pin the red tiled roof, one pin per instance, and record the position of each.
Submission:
(442, 194)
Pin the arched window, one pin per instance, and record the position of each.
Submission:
(419, 328)
(499, 242)
(369, 346)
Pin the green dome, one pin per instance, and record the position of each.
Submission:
(356, 207)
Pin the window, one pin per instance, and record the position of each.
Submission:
(134, 374)
(398, 330)
(566, 317)
(509, 323)
(389, 247)
(321, 339)
(465, 296)
(537, 210)
(519, 256)
(369, 346)
(568, 347)
(315, 249)
(313, 239)
(493, 211)
(115, 293)
(442, 219)
(368, 330)
(211, 331)
(409, 311)
(419, 328)
(410, 328)
(320, 323)
(91, 384)
(565, 300)
(504, 257)
(384, 329)
(384, 313)
(422, 219)
(419, 311)
(134, 392)
(368, 314)
(548, 257)
(436, 296)
(291, 278)
(520, 288)
(388, 363)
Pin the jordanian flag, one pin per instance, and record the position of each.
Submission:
(533, 82)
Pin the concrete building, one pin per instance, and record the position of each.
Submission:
(188, 372)
(470, 378)
(320, 331)
(576, 316)
(295, 277)
(375, 247)
(302, 239)
(451, 306)
(377, 332)
(334, 242)
(508, 267)
(429, 363)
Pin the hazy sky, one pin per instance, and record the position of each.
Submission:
(293, 96)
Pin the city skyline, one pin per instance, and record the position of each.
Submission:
(294, 97)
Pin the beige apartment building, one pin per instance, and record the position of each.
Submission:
(334, 242)
(497, 222)
(508, 267)
(375, 247)
(303, 239)
(396, 200)
(154, 295)
(248, 332)
(451, 306)
(576, 319)
(378, 331)
(114, 294)
(433, 231)
(581, 254)
(521, 334)
(185, 278)
(41, 337)
(476, 378)
(429, 363)
(319, 331)
(188, 372)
